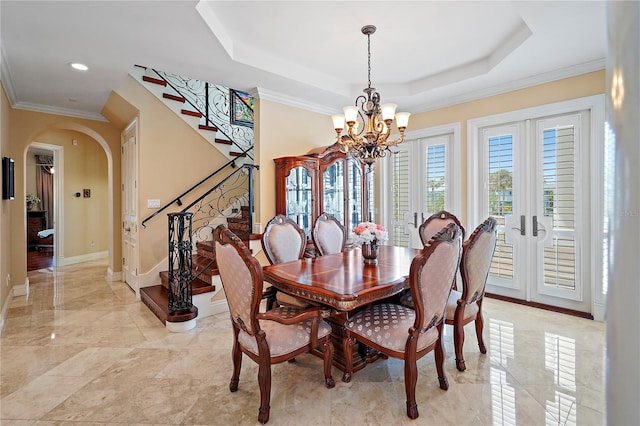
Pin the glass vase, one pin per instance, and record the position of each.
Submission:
(370, 253)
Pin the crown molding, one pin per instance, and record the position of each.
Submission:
(59, 111)
(584, 68)
(5, 77)
(270, 95)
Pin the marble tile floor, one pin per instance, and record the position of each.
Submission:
(82, 350)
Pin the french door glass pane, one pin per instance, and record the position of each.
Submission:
(435, 188)
(559, 205)
(500, 196)
(401, 197)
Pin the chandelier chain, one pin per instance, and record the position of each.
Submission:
(369, 57)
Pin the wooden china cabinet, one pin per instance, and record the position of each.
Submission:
(323, 181)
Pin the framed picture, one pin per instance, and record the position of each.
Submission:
(241, 108)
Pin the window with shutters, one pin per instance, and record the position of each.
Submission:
(435, 175)
(500, 196)
(401, 197)
(559, 204)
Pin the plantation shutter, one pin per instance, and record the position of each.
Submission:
(500, 196)
(401, 197)
(558, 146)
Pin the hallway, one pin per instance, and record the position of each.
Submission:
(80, 349)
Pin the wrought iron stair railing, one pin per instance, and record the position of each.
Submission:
(234, 190)
(214, 103)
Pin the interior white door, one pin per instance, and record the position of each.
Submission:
(534, 181)
(129, 151)
(419, 174)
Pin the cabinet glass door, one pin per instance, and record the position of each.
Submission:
(333, 194)
(299, 198)
(354, 198)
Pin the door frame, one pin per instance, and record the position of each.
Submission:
(58, 201)
(596, 106)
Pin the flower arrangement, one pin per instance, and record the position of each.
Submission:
(369, 232)
(32, 200)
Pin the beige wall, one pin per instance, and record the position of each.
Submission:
(280, 131)
(172, 156)
(26, 127)
(5, 211)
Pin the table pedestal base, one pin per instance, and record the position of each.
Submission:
(362, 354)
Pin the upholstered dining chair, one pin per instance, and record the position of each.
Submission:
(436, 222)
(329, 236)
(428, 229)
(283, 241)
(271, 337)
(465, 306)
(409, 334)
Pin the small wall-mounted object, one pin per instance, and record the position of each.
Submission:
(8, 180)
(86, 193)
(77, 195)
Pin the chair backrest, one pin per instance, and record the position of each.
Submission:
(329, 236)
(283, 240)
(435, 223)
(477, 253)
(241, 276)
(431, 275)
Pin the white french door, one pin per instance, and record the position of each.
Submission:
(419, 177)
(534, 180)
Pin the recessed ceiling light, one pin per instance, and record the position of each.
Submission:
(78, 66)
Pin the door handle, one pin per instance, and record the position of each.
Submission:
(415, 220)
(523, 225)
(537, 227)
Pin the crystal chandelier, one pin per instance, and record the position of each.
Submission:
(372, 141)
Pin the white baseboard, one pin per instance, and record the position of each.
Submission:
(5, 308)
(599, 312)
(113, 276)
(22, 289)
(152, 277)
(65, 261)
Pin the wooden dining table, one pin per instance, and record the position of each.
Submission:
(344, 283)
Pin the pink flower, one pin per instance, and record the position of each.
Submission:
(367, 232)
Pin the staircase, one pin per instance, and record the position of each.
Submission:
(189, 112)
(204, 268)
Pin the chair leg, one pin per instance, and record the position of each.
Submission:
(264, 380)
(439, 356)
(328, 359)
(410, 380)
(347, 343)
(479, 328)
(458, 338)
(236, 355)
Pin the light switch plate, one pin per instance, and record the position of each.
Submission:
(153, 204)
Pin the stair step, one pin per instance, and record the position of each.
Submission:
(239, 220)
(205, 127)
(173, 97)
(154, 80)
(205, 249)
(238, 154)
(224, 141)
(198, 286)
(156, 298)
(191, 113)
